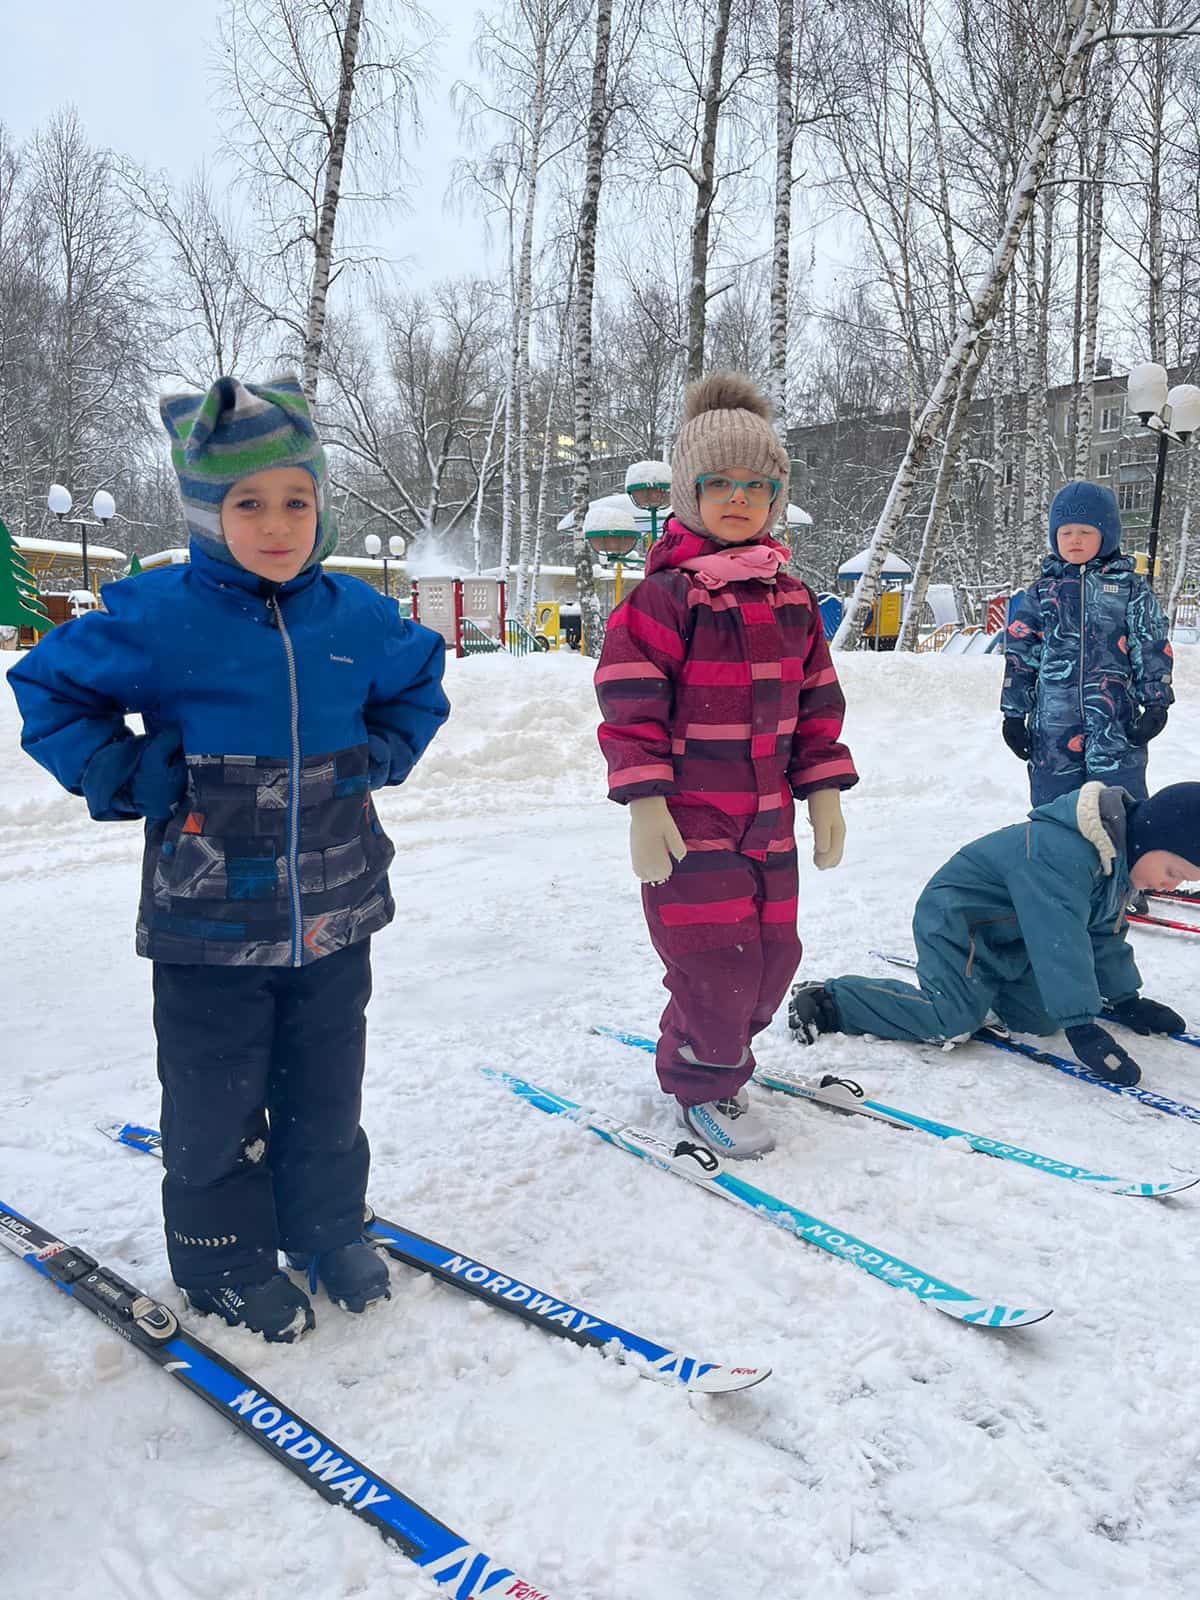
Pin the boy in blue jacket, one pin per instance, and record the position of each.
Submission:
(1087, 676)
(275, 697)
(1030, 922)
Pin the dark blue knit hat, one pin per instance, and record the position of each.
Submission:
(1169, 820)
(1089, 503)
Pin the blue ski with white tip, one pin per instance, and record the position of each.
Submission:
(460, 1568)
(843, 1094)
(1001, 1040)
(698, 1165)
(519, 1299)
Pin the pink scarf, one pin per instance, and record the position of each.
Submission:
(737, 564)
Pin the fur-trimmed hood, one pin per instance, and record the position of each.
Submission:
(1099, 812)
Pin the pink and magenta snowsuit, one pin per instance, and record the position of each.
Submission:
(724, 699)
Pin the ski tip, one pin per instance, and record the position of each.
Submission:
(992, 1314)
(1156, 1191)
(728, 1380)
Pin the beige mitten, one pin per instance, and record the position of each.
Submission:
(653, 839)
(829, 830)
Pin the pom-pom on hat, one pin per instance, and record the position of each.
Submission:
(1089, 503)
(1169, 820)
(726, 423)
(235, 429)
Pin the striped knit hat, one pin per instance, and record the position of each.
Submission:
(727, 423)
(235, 429)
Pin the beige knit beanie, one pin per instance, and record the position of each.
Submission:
(726, 423)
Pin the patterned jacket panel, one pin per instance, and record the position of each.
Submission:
(1087, 647)
(725, 700)
(292, 704)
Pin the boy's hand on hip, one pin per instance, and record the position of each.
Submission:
(654, 839)
(828, 826)
(159, 781)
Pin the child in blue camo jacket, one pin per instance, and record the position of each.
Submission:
(1087, 680)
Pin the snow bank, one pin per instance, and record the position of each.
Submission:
(893, 1453)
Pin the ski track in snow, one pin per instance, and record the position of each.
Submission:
(893, 1453)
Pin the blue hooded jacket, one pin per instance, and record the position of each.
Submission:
(291, 702)
(1049, 894)
(1086, 649)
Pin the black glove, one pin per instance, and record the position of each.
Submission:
(1147, 1016)
(1016, 737)
(1102, 1055)
(1149, 725)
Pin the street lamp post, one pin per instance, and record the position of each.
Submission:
(648, 485)
(104, 509)
(373, 545)
(611, 530)
(1171, 414)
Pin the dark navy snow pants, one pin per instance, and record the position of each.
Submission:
(261, 1072)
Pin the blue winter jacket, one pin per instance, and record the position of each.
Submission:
(1049, 894)
(290, 703)
(1086, 650)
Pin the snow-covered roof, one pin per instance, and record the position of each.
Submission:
(175, 558)
(796, 516)
(893, 566)
(70, 547)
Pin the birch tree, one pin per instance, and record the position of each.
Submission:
(320, 94)
(599, 114)
(1082, 27)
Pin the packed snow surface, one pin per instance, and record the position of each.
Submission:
(893, 1453)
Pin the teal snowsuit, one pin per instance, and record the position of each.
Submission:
(1028, 922)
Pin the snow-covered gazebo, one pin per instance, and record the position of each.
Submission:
(895, 568)
(795, 517)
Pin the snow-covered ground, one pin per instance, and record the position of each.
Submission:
(893, 1452)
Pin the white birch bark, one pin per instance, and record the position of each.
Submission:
(705, 179)
(477, 518)
(1086, 414)
(314, 324)
(940, 500)
(785, 143)
(589, 212)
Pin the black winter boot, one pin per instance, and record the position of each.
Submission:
(276, 1309)
(811, 1012)
(353, 1275)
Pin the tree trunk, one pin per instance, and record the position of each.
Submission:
(589, 212)
(314, 327)
(1077, 37)
(533, 157)
(1085, 418)
(941, 493)
(476, 537)
(785, 142)
(511, 419)
(705, 180)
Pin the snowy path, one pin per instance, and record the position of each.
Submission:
(893, 1453)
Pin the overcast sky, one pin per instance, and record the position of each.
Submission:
(137, 72)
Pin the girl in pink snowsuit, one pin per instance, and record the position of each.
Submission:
(721, 706)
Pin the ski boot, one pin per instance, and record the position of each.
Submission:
(276, 1309)
(353, 1275)
(729, 1127)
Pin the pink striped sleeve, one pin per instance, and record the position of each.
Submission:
(635, 685)
(818, 759)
